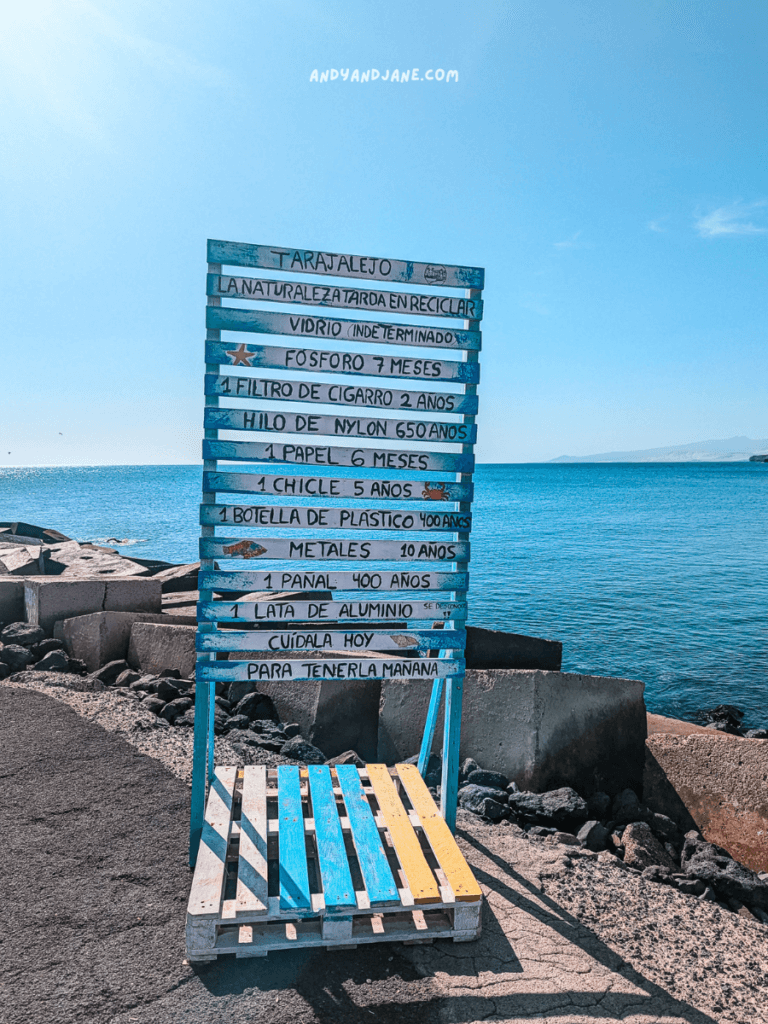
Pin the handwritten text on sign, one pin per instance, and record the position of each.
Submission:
(329, 487)
(282, 580)
(339, 426)
(339, 394)
(226, 318)
(325, 550)
(296, 517)
(315, 361)
(354, 640)
(309, 261)
(331, 611)
(344, 297)
(327, 668)
(324, 455)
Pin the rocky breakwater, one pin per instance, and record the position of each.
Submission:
(23, 646)
(621, 828)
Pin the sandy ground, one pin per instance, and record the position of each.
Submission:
(95, 815)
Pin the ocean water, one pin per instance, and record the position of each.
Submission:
(649, 571)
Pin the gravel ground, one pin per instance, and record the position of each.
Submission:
(568, 937)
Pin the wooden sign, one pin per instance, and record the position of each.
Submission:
(308, 261)
(325, 455)
(294, 517)
(340, 426)
(344, 297)
(331, 611)
(331, 487)
(330, 668)
(352, 641)
(338, 394)
(361, 622)
(282, 580)
(225, 318)
(320, 549)
(353, 363)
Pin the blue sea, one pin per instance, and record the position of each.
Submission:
(649, 571)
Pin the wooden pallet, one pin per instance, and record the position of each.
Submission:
(325, 857)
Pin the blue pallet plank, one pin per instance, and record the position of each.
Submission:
(338, 890)
(374, 866)
(294, 879)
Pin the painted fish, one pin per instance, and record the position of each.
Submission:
(245, 549)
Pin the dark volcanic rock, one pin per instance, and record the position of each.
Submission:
(220, 721)
(188, 718)
(725, 718)
(236, 721)
(626, 807)
(153, 704)
(108, 673)
(78, 666)
(257, 706)
(348, 757)
(599, 804)
(22, 634)
(5, 670)
(235, 692)
(756, 734)
(167, 691)
(39, 650)
(54, 661)
(468, 766)
(489, 803)
(657, 873)
(16, 657)
(563, 806)
(294, 729)
(223, 703)
(718, 869)
(642, 849)
(481, 777)
(593, 835)
(175, 708)
(665, 829)
(300, 750)
(127, 677)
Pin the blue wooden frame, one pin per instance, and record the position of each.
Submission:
(438, 480)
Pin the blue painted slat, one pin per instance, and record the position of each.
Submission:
(374, 866)
(449, 783)
(265, 421)
(347, 296)
(294, 879)
(338, 889)
(331, 668)
(310, 360)
(284, 390)
(370, 268)
(353, 641)
(303, 549)
(329, 455)
(429, 727)
(303, 517)
(301, 325)
(301, 579)
(436, 493)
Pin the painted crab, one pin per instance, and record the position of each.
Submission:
(435, 492)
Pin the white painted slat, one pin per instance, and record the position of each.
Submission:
(252, 891)
(311, 549)
(300, 579)
(433, 491)
(329, 455)
(208, 881)
(330, 611)
(330, 668)
(294, 517)
(353, 641)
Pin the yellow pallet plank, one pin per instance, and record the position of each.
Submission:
(449, 856)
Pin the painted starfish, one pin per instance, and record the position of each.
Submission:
(241, 356)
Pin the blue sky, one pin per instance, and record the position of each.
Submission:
(605, 162)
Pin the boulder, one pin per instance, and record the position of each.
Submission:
(23, 634)
(756, 734)
(594, 836)
(41, 534)
(220, 721)
(257, 706)
(188, 718)
(642, 849)
(154, 647)
(494, 780)
(167, 691)
(348, 757)
(715, 866)
(238, 722)
(563, 805)
(16, 657)
(110, 672)
(178, 578)
(53, 661)
(44, 647)
(468, 765)
(127, 677)
(598, 805)
(18, 560)
(626, 807)
(482, 800)
(293, 729)
(153, 704)
(94, 562)
(299, 749)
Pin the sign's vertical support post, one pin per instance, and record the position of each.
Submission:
(203, 743)
(454, 686)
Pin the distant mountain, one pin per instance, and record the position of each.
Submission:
(731, 449)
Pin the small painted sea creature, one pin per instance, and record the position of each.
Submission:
(244, 549)
(403, 640)
(435, 492)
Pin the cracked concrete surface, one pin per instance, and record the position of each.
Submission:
(95, 880)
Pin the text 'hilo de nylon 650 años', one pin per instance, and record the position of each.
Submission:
(359, 431)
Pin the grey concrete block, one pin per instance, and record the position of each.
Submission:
(20, 560)
(49, 599)
(543, 730)
(102, 637)
(11, 599)
(493, 648)
(157, 646)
